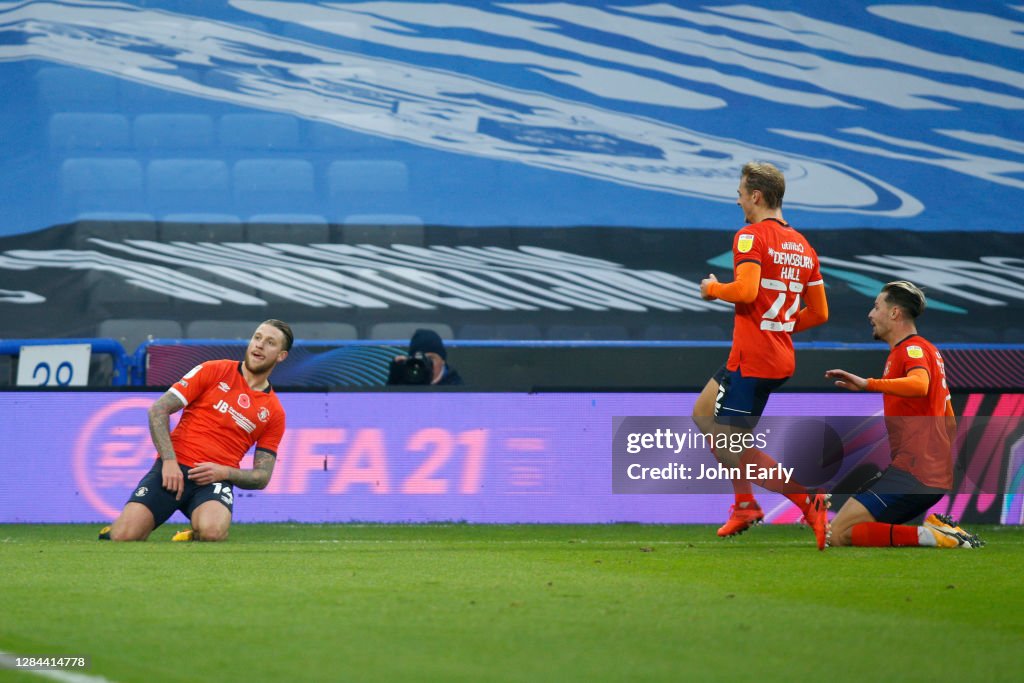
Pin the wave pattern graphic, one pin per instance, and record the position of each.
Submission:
(348, 366)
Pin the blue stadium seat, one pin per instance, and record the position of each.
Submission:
(324, 331)
(500, 331)
(91, 184)
(404, 330)
(63, 88)
(833, 331)
(663, 333)
(259, 132)
(117, 216)
(132, 332)
(367, 186)
(709, 331)
(1013, 335)
(189, 186)
(274, 185)
(383, 219)
(588, 332)
(367, 175)
(220, 329)
(984, 335)
(89, 131)
(974, 335)
(173, 132)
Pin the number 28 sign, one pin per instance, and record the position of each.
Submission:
(54, 365)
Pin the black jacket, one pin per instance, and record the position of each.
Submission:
(451, 377)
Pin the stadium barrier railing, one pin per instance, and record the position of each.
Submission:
(511, 364)
(122, 363)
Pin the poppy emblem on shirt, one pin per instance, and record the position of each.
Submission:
(744, 243)
(243, 400)
(915, 352)
(263, 414)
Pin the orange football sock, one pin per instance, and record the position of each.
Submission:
(743, 491)
(741, 488)
(776, 482)
(882, 535)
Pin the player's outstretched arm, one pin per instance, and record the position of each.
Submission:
(913, 385)
(815, 312)
(847, 380)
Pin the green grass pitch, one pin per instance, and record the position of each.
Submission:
(511, 603)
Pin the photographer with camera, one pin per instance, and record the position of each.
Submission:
(426, 364)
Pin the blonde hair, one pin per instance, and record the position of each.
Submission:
(768, 180)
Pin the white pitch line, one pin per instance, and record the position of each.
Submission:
(8, 661)
(717, 542)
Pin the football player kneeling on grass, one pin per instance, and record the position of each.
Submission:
(228, 407)
(922, 429)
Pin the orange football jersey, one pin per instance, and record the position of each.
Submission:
(919, 436)
(223, 416)
(761, 340)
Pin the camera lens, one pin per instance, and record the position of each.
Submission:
(418, 370)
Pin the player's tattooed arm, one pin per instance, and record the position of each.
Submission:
(160, 424)
(259, 476)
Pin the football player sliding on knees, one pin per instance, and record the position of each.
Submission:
(922, 430)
